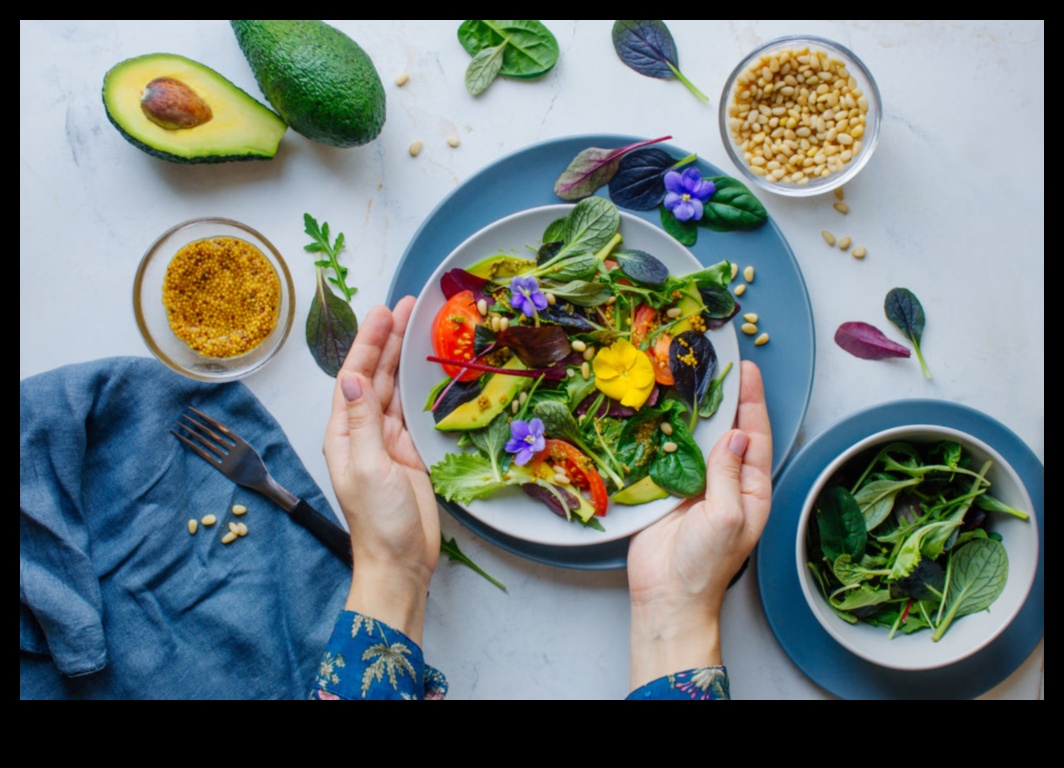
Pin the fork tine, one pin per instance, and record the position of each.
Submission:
(196, 449)
(218, 447)
(220, 427)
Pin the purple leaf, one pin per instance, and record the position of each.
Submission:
(536, 347)
(593, 168)
(867, 342)
(455, 281)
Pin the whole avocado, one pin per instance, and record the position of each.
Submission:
(317, 78)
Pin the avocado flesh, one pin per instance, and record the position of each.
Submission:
(316, 77)
(238, 127)
(496, 396)
(639, 493)
(501, 265)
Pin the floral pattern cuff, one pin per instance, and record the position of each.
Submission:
(702, 684)
(367, 659)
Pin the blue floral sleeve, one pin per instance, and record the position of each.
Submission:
(367, 659)
(702, 684)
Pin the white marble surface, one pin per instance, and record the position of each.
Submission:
(952, 206)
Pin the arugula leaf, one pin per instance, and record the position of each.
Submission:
(320, 236)
(455, 555)
(646, 45)
(904, 310)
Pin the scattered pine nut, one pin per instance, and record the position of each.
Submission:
(839, 194)
(860, 252)
(734, 270)
(504, 323)
(585, 370)
(748, 274)
(495, 324)
(482, 307)
(611, 300)
(209, 520)
(402, 79)
(841, 207)
(750, 317)
(666, 427)
(241, 530)
(579, 346)
(551, 299)
(453, 142)
(415, 147)
(193, 526)
(670, 447)
(740, 289)
(523, 397)
(828, 237)
(239, 509)
(761, 340)
(589, 354)
(674, 312)
(515, 406)
(749, 329)
(233, 528)
(570, 372)
(845, 243)
(229, 538)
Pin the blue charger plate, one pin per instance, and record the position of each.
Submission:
(525, 179)
(812, 649)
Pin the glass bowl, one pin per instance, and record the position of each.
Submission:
(771, 157)
(153, 318)
(969, 633)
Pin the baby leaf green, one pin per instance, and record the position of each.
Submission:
(905, 311)
(483, 69)
(647, 46)
(841, 524)
(524, 49)
(733, 206)
(593, 169)
(331, 328)
(979, 571)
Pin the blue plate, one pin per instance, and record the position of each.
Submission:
(525, 179)
(812, 649)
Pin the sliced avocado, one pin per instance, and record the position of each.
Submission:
(691, 307)
(639, 493)
(500, 265)
(179, 110)
(496, 396)
(316, 77)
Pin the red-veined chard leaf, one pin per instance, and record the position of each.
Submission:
(639, 182)
(592, 169)
(693, 363)
(455, 281)
(554, 373)
(905, 311)
(331, 328)
(732, 207)
(867, 342)
(647, 46)
(641, 266)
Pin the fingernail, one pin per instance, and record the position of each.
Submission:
(351, 387)
(738, 443)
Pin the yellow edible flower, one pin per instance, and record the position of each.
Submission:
(625, 373)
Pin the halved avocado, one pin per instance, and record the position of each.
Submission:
(179, 110)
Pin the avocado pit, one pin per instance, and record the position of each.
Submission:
(173, 105)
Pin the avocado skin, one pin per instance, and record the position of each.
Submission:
(317, 78)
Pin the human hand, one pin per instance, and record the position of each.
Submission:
(383, 488)
(680, 567)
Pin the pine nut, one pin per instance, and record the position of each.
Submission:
(482, 307)
(828, 237)
(666, 427)
(674, 312)
(740, 289)
(839, 194)
(841, 208)
(585, 370)
(761, 340)
(860, 252)
(523, 398)
(495, 324)
(208, 520)
(562, 479)
(229, 538)
(193, 526)
(579, 346)
(515, 406)
(750, 317)
(233, 528)
(504, 323)
(749, 329)
(589, 354)
(239, 509)
(415, 147)
(570, 372)
(845, 243)
(402, 79)
(734, 270)
(670, 447)
(551, 299)
(241, 530)
(748, 274)
(453, 142)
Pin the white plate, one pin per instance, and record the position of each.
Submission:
(511, 511)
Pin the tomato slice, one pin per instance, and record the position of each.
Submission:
(645, 323)
(558, 454)
(453, 332)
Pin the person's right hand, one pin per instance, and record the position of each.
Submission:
(680, 567)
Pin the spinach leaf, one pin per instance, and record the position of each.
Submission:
(639, 184)
(455, 555)
(682, 472)
(732, 207)
(646, 45)
(841, 524)
(483, 69)
(978, 572)
(905, 311)
(684, 232)
(592, 169)
(714, 395)
(331, 328)
(529, 48)
(641, 266)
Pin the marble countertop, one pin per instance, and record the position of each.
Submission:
(952, 206)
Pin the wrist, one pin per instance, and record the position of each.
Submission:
(392, 594)
(672, 636)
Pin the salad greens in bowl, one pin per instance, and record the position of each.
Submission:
(566, 371)
(917, 547)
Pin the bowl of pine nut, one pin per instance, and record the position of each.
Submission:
(800, 116)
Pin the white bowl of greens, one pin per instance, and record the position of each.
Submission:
(917, 547)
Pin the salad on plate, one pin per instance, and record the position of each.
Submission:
(579, 373)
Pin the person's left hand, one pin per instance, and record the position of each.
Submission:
(383, 488)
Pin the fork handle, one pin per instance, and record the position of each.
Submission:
(325, 530)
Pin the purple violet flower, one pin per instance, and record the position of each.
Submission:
(526, 296)
(687, 193)
(526, 440)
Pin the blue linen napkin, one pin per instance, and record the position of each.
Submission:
(116, 598)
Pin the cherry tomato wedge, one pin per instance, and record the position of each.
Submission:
(646, 322)
(558, 454)
(453, 332)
